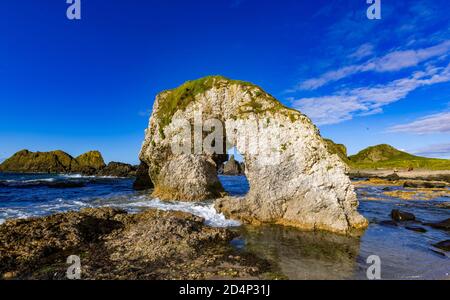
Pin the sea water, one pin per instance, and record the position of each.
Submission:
(404, 254)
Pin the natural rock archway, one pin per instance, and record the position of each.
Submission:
(293, 178)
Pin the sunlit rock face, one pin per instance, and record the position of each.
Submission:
(293, 179)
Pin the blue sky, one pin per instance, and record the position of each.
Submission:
(90, 84)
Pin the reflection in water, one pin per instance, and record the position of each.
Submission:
(304, 255)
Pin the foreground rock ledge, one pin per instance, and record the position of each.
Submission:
(295, 181)
(115, 245)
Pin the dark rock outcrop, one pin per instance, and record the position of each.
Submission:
(117, 169)
(444, 225)
(444, 245)
(232, 167)
(392, 177)
(143, 180)
(401, 216)
(425, 184)
(115, 245)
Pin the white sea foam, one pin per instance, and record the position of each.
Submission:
(79, 176)
(30, 180)
(12, 213)
(204, 210)
(132, 204)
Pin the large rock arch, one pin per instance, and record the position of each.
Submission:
(293, 178)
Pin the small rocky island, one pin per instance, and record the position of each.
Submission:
(59, 162)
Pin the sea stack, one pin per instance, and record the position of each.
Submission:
(293, 178)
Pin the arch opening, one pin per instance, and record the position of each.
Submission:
(232, 174)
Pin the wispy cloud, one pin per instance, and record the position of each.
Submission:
(393, 61)
(437, 123)
(363, 51)
(345, 104)
(437, 150)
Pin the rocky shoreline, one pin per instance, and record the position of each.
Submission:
(89, 164)
(423, 175)
(112, 244)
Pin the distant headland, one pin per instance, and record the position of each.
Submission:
(90, 164)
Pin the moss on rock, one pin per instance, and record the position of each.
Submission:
(180, 97)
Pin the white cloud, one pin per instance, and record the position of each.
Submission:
(393, 61)
(362, 52)
(437, 123)
(437, 150)
(365, 101)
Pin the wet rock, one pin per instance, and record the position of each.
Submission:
(444, 245)
(143, 181)
(115, 245)
(444, 225)
(416, 229)
(25, 242)
(424, 184)
(400, 216)
(392, 177)
(117, 169)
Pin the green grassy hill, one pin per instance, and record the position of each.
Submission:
(338, 149)
(387, 157)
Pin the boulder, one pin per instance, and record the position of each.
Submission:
(294, 180)
(399, 216)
